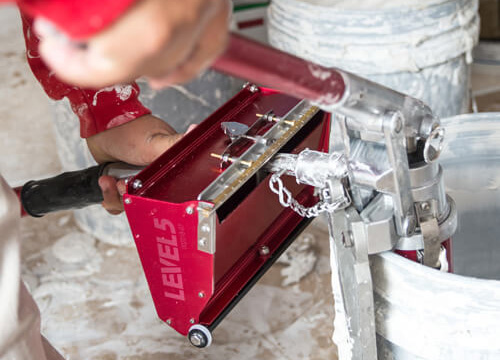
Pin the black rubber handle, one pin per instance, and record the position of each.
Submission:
(70, 190)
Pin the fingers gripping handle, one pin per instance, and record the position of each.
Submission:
(69, 190)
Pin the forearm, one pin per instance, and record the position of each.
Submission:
(97, 110)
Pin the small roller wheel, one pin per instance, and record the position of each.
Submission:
(200, 336)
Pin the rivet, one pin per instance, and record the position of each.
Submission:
(128, 201)
(137, 184)
(201, 294)
(191, 321)
(189, 210)
(264, 250)
(169, 321)
(205, 228)
(253, 88)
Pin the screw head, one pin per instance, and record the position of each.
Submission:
(264, 250)
(202, 242)
(189, 210)
(205, 228)
(253, 88)
(191, 321)
(137, 184)
(128, 201)
(425, 206)
(201, 294)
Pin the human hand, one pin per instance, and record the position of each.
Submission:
(137, 142)
(168, 41)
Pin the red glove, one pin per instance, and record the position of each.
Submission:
(78, 19)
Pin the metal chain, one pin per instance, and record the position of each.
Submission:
(286, 199)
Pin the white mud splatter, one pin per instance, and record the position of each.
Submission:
(300, 259)
(123, 91)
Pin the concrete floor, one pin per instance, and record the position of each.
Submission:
(93, 296)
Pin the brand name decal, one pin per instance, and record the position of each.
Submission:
(168, 252)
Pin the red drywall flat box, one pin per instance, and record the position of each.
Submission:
(203, 249)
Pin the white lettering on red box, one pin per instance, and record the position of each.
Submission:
(168, 252)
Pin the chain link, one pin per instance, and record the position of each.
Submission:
(286, 199)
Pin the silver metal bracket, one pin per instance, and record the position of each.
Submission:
(206, 227)
(429, 227)
(395, 143)
(352, 285)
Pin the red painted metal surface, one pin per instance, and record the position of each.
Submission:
(266, 66)
(412, 254)
(179, 276)
(172, 184)
(250, 23)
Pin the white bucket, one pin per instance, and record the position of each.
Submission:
(422, 313)
(421, 48)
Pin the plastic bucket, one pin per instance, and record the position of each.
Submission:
(421, 48)
(422, 313)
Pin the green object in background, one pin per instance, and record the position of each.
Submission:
(250, 6)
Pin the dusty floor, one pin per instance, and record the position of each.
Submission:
(93, 296)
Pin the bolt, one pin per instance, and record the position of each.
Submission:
(205, 228)
(201, 294)
(169, 321)
(137, 184)
(226, 158)
(196, 339)
(189, 210)
(264, 250)
(397, 124)
(128, 201)
(253, 88)
(191, 321)
(425, 206)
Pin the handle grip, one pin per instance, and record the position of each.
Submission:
(70, 190)
(270, 67)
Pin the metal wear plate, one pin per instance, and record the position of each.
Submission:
(257, 155)
(206, 228)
